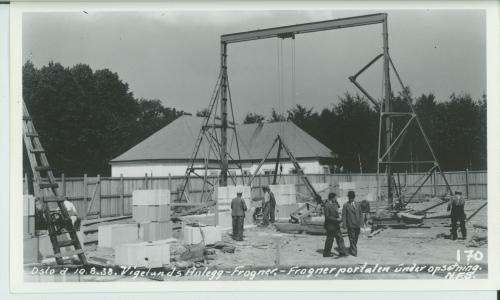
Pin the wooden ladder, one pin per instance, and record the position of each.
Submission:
(46, 190)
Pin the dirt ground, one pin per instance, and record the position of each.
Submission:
(423, 246)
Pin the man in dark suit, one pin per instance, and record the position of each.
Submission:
(352, 218)
(238, 209)
(332, 226)
(457, 205)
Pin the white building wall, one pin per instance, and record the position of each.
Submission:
(139, 169)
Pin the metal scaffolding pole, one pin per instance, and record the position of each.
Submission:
(386, 108)
(223, 111)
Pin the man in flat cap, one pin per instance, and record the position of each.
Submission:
(332, 226)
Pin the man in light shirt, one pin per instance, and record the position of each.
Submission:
(266, 205)
(457, 214)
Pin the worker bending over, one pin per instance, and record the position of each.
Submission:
(352, 218)
(238, 209)
(332, 226)
(457, 205)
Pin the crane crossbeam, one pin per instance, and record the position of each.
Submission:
(292, 30)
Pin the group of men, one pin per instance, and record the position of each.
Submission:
(351, 218)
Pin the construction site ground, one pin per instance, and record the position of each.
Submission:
(427, 245)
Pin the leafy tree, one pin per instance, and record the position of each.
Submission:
(252, 118)
(202, 113)
(276, 116)
(85, 118)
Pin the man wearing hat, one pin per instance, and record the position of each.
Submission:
(456, 205)
(238, 209)
(352, 218)
(332, 226)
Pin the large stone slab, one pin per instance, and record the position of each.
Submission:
(153, 231)
(28, 205)
(350, 185)
(224, 195)
(29, 225)
(151, 213)
(143, 254)
(208, 234)
(109, 236)
(284, 211)
(284, 193)
(150, 197)
(323, 189)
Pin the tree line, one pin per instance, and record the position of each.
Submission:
(85, 118)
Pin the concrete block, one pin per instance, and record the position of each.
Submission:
(347, 185)
(144, 254)
(227, 193)
(225, 218)
(114, 234)
(211, 234)
(28, 205)
(30, 249)
(225, 204)
(150, 197)
(370, 197)
(284, 193)
(153, 231)
(323, 189)
(150, 213)
(284, 211)
(29, 225)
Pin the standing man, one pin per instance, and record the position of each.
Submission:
(353, 220)
(457, 205)
(332, 226)
(238, 209)
(266, 205)
(272, 205)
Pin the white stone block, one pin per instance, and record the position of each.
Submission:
(208, 234)
(151, 197)
(284, 211)
(151, 213)
(145, 254)
(29, 225)
(28, 205)
(153, 231)
(323, 189)
(347, 185)
(227, 193)
(115, 234)
(370, 197)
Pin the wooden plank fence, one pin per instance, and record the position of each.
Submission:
(112, 196)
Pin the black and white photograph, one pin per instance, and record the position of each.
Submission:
(187, 147)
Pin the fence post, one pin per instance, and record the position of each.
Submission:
(98, 186)
(122, 194)
(63, 183)
(85, 200)
(25, 184)
(434, 183)
(467, 183)
(170, 182)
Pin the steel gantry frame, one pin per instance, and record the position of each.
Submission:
(387, 146)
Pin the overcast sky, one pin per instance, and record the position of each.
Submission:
(174, 56)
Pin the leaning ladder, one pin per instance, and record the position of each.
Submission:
(46, 190)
